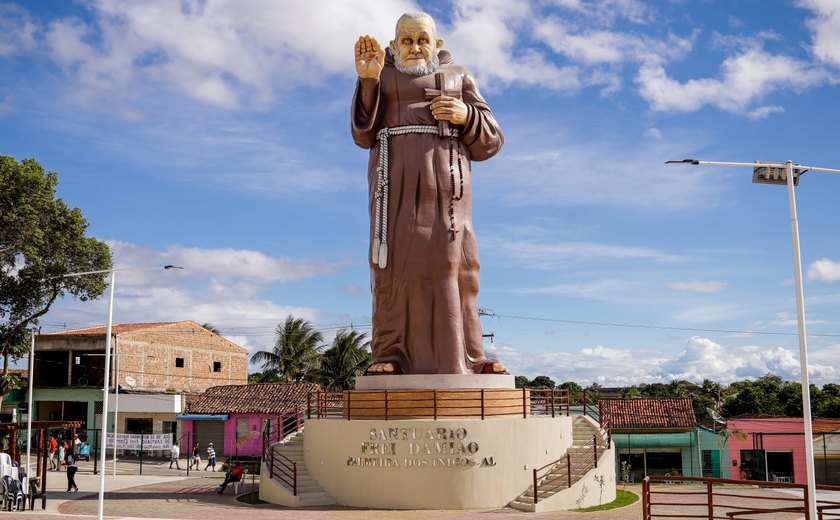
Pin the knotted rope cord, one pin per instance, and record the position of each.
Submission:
(379, 249)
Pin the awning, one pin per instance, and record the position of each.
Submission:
(201, 417)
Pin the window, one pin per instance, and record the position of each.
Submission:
(217, 366)
(179, 362)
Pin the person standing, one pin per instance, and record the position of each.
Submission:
(62, 453)
(174, 455)
(211, 457)
(70, 461)
(196, 456)
(53, 450)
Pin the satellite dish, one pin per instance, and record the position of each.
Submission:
(715, 416)
(131, 382)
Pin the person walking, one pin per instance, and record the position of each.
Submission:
(53, 450)
(196, 456)
(70, 461)
(62, 453)
(174, 455)
(211, 457)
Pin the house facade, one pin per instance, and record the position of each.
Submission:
(233, 417)
(154, 366)
(655, 436)
(773, 448)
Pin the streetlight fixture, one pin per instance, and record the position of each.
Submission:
(113, 273)
(789, 173)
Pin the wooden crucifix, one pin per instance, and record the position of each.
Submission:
(431, 93)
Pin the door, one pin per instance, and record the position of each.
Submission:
(207, 432)
(755, 462)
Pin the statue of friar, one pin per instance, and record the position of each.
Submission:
(424, 121)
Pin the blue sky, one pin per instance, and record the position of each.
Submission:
(215, 135)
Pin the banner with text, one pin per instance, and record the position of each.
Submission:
(131, 441)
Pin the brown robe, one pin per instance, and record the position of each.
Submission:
(425, 315)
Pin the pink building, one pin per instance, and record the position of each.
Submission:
(774, 449)
(233, 417)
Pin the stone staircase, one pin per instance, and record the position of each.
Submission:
(557, 479)
(309, 492)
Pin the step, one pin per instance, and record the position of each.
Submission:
(528, 507)
(315, 499)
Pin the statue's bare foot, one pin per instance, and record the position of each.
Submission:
(382, 369)
(493, 367)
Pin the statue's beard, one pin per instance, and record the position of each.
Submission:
(418, 70)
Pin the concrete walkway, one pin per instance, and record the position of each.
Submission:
(161, 493)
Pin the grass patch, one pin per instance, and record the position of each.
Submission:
(622, 498)
(253, 498)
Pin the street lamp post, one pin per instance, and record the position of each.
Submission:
(788, 173)
(113, 273)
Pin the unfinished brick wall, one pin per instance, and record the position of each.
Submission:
(182, 358)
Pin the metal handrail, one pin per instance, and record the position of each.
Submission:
(582, 463)
(280, 467)
(601, 439)
(716, 498)
(438, 404)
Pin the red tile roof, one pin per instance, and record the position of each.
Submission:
(117, 328)
(268, 398)
(822, 425)
(649, 413)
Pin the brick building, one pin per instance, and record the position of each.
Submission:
(155, 365)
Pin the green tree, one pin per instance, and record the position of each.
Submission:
(296, 351)
(259, 377)
(521, 382)
(347, 358)
(629, 392)
(542, 382)
(42, 239)
(575, 392)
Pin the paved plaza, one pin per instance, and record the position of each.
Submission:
(169, 494)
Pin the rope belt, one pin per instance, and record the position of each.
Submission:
(379, 249)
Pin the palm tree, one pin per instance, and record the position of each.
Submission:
(348, 357)
(295, 353)
(211, 328)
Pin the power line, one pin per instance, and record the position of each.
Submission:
(658, 327)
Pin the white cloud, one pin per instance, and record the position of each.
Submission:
(701, 358)
(706, 287)
(653, 133)
(572, 170)
(6, 105)
(236, 52)
(225, 287)
(543, 254)
(745, 79)
(826, 29)
(590, 46)
(225, 263)
(17, 31)
(824, 270)
(484, 35)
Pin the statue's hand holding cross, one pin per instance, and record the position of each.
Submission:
(446, 104)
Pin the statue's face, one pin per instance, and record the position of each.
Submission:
(415, 44)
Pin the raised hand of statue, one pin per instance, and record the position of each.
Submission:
(370, 57)
(449, 109)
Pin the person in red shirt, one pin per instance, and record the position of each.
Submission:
(235, 475)
(53, 449)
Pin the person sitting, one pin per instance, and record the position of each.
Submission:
(234, 475)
